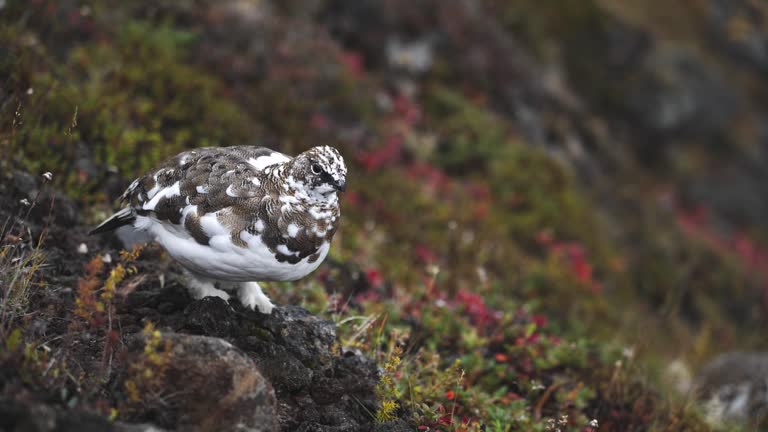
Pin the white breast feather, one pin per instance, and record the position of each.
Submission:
(223, 260)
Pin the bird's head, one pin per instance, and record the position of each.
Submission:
(319, 170)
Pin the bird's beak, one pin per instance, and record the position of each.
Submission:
(341, 185)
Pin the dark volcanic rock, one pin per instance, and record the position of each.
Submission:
(39, 417)
(29, 415)
(678, 93)
(308, 338)
(393, 426)
(209, 316)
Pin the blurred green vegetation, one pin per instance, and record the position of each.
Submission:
(133, 101)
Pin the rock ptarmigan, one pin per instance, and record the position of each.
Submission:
(236, 215)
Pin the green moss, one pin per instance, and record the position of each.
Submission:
(130, 103)
(470, 135)
(536, 194)
(532, 192)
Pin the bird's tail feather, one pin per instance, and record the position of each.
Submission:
(125, 216)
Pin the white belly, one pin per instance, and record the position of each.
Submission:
(222, 260)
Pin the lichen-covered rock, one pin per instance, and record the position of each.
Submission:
(734, 387)
(288, 346)
(211, 385)
(317, 387)
(307, 337)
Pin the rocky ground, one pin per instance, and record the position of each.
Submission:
(217, 366)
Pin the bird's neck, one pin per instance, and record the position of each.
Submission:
(288, 184)
(315, 199)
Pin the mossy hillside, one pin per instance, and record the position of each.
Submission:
(540, 268)
(541, 204)
(483, 250)
(442, 214)
(127, 102)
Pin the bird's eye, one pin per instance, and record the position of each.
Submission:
(317, 169)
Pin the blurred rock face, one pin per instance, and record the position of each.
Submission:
(680, 94)
(741, 28)
(734, 387)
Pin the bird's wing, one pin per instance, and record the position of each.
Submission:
(207, 179)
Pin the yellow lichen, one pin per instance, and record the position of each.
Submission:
(386, 389)
(146, 372)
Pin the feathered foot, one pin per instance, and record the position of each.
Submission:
(200, 287)
(251, 296)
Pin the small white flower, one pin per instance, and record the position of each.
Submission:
(384, 102)
(628, 352)
(25, 202)
(30, 91)
(413, 56)
(48, 176)
(82, 249)
(106, 258)
(593, 423)
(482, 274)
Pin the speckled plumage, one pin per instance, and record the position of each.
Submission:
(235, 215)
